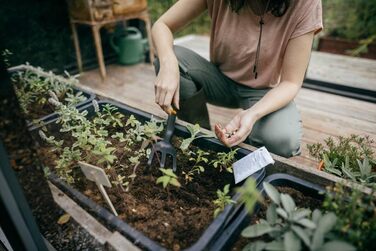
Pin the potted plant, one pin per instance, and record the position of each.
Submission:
(157, 208)
(293, 217)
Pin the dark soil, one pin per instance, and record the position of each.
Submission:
(174, 217)
(300, 199)
(23, 159)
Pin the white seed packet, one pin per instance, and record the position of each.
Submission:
(251, 163)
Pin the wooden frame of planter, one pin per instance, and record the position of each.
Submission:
(52, 116)
(138, 238)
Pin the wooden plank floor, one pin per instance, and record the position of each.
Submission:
(323, 114)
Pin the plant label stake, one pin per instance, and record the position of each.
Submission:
(97, 175)
(251, 163)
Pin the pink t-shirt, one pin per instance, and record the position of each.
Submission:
(234, 39)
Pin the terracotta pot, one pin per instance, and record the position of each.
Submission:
(342, 46)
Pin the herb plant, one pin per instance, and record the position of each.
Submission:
(249, 195)
(33, 85)
(290, 228)
(168, 178)
(356, 213)
(223, 200)
(349, 157)
(194, 130)
(225, 160)
(199, 158)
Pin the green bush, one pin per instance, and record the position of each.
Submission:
(200, 25)
(356, 214)
(350, 19)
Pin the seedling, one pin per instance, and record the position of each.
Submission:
(225, 160)
(168, 178)
(223, 200)
(194, 130)
(249, 195)
(198, 158)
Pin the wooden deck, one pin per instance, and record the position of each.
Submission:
(323, 114)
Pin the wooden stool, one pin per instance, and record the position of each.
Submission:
(98, 16)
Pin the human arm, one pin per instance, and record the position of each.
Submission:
(294, 65)
(167, 81)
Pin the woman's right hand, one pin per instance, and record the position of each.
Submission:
(167, 85)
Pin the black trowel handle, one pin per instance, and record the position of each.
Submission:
(170, 128)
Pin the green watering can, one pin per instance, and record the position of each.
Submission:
(129, 46)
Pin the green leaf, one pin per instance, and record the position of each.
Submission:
(271, 214)
(273, 193)
(256, 230)
(316, 216)
(275, 246)
(333, 171)
(282, 212)
(324, 225)
(168, 172)
(291, 242)
(255, 246)
(185, 144)
(327, 222)
(307, 223)
(175, 182)
(337, 246)
(300, 214)
(164, 180)
(302, 234)
(287, 203)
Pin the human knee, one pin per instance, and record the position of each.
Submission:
(286, 145)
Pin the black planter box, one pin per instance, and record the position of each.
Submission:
(53, 116)
(138, 238)
(232, 232)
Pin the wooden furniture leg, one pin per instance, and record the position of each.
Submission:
(151, 45)
(98, 47)
(76, 46)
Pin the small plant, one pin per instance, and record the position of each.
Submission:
(249, 195)
(224, 160)
(356, 213)
(290, 228)
(33, 85)
(194, 130)
(168, 178)
(349, 157)
(223, 200)
(198, 158)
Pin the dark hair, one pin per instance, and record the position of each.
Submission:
(277, 7)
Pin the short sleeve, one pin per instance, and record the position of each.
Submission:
(309, 18)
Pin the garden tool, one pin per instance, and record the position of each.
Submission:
(165, 147)
(130, 46)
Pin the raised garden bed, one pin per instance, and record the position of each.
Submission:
(32, 87)
(151, 217)
(305, 194)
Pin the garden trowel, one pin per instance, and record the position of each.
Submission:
(164, 146)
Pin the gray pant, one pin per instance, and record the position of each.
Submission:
(202, 81)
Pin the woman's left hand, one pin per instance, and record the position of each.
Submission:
(238, 129)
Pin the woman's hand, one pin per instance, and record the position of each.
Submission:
(167, 86)
(238, 129)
